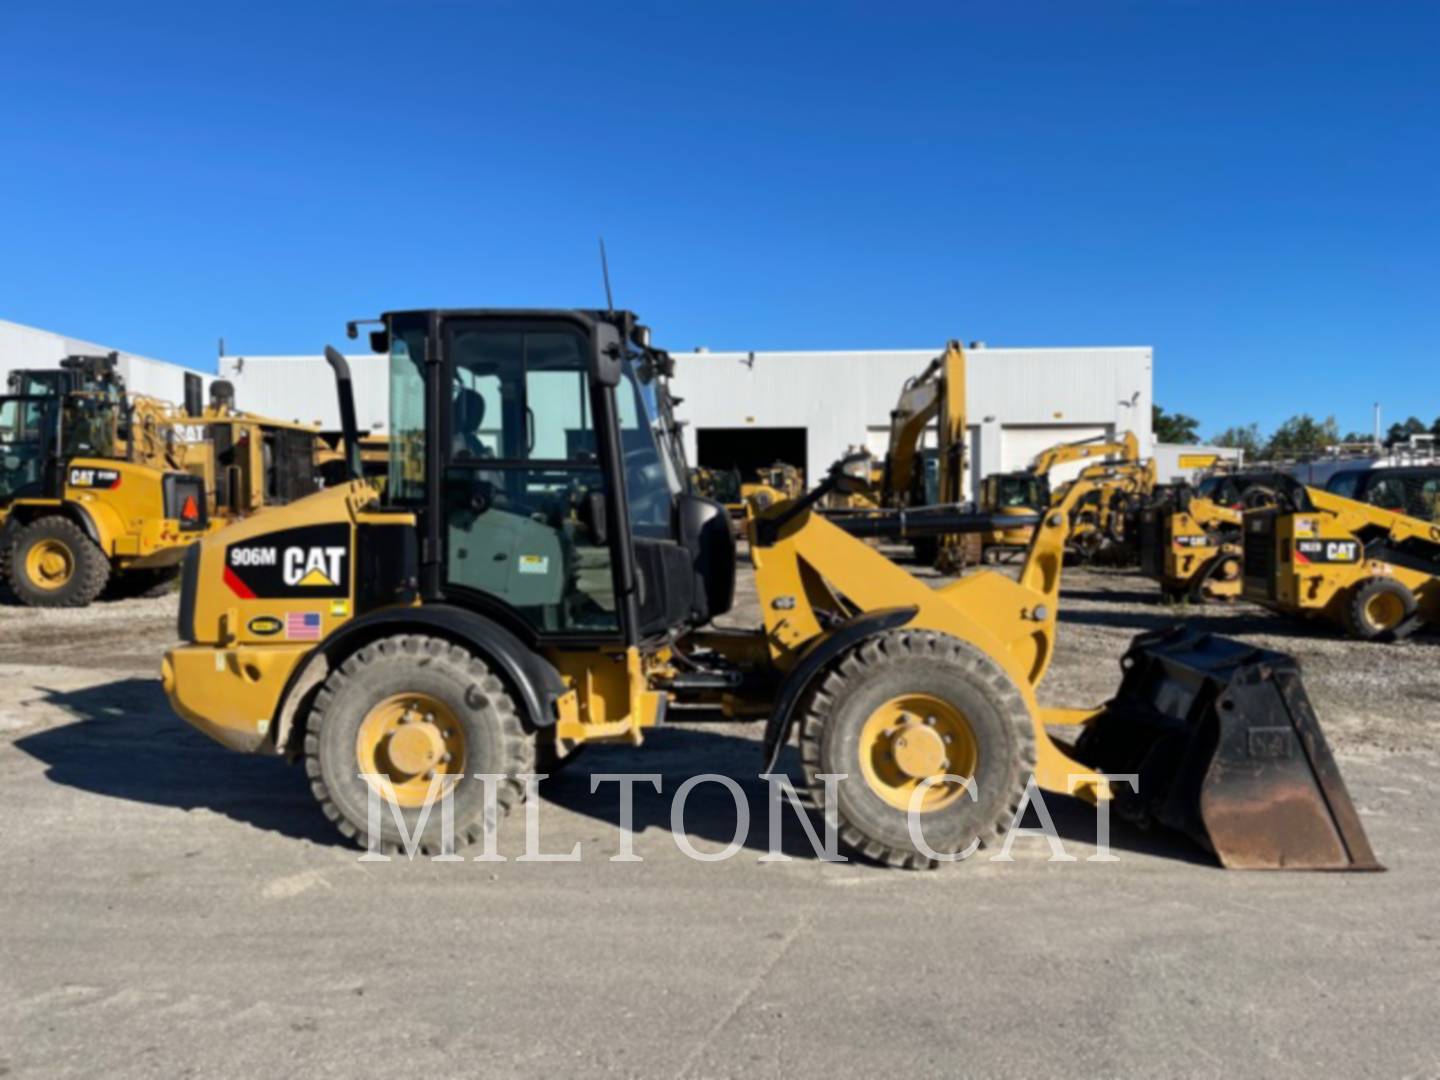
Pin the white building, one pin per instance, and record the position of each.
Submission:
(748, 409)
(302, 388)
(28, 347)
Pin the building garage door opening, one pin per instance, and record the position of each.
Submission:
(748, 449)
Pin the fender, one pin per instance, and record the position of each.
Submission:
(533, 677)
(840, 640)
(22, 513)
(100, 522)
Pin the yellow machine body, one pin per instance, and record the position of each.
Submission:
(336, 629)
(1373, 572)
(1193, 553)
(242, 679)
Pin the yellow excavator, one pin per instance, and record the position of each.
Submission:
(548, 583)
(1372, 571)
(919, 482)
(1122, 477)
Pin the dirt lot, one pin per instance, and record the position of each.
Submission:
(171, 909)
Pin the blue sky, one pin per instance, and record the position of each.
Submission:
(1250, 188)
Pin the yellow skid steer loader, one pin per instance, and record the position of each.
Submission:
(1371, 571)
(547, 582)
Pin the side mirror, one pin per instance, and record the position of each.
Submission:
(593, 512)
(609, 352)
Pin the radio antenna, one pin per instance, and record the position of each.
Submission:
(605, 272)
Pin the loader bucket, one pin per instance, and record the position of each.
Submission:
(1229, 752)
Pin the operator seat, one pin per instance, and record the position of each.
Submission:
(467, 414)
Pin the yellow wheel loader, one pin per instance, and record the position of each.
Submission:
(1372, 571)
(548, 583)
(101, 489)
(84, 502)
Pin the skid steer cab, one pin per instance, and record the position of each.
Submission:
(537, 577)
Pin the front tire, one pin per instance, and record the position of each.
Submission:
(903, 706)
(53, 564)
(1380, 609)
(410, 707)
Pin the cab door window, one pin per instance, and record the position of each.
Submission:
(523, 485)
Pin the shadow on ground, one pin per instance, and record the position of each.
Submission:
(126, 744)
(712, 813)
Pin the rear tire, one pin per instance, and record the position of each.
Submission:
(916, 666)
(1380, 609)
(462, 708)
(53, 564)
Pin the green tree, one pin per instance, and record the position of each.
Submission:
(1303, 434)
(1245, 438)
(1400, 433)
(1174, 427)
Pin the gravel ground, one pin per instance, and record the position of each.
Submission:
(173, 909)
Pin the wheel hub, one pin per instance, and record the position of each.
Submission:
(410, 739)
(912, 739)
(919, 752)
(1383, 610)
(415, 748)
(49, 564)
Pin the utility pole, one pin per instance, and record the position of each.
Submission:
(1377, 425)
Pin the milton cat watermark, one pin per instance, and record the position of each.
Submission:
(411, 824)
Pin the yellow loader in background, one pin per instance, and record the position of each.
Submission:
(103, 490)
(548, 583)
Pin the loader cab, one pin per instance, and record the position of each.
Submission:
(29, 430)
(539, 454)
(1014, 491)
(1411, 490)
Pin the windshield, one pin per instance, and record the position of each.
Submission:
(89, 427)
(1345, 484)
(36, 383)
(26, 425)
(653, 472)
(1019, 491)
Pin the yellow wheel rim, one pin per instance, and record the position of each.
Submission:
(1384, 611)
(411, 739)
(49, 564)
(911, 738)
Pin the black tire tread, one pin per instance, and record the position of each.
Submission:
(859, 664)
(519, 744)
(92, 568)
(1355, 623)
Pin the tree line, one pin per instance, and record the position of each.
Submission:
(1301, 434)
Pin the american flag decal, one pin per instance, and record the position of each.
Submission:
(302, 626)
